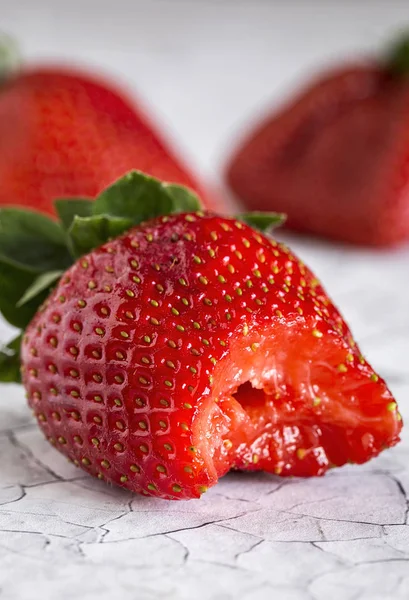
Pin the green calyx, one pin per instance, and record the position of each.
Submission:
(35, 250)
(10, 58)
(397, 57)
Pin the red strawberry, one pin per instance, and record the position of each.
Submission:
(336, 158)
(65, 133)
(194, 344)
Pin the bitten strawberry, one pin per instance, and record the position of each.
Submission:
(190, 345)
(65, 133)
(336, 158)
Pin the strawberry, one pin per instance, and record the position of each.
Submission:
(65, 133)
(335, 158)
(187, 346)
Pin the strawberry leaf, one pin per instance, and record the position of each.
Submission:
(13, 284)
(68, 208)
(10, 57)
(135, 196)
(10, 361)
(397, 57)
(184, 200)
(87, 233)
(139, 197)
(43, 283)
(32, 241)
(263, 221)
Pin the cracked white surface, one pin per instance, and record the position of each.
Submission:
(344, 536)
(252, 537)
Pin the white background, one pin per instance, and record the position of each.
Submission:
(205, 66)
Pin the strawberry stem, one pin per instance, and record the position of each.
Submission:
(10, 58)
(397, 59)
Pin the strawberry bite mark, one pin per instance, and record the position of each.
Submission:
(289, 411)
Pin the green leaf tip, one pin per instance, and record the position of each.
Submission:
(40, 284)
(69, 208)
(263, 221)
(140, 197)
(14, 282)
(184, 200)
(10, 58)
(397, 56)
(31, 241)
(87, 233)
(10, 361)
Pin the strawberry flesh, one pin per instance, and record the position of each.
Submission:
(289, 411)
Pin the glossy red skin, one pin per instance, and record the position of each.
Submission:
(64, 133)
(335, 158)
(146, 339)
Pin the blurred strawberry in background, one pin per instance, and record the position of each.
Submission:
(64, 133)
(336, 158)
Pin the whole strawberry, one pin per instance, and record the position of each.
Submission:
(65, 133)
(336, 157)
(190, 345)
